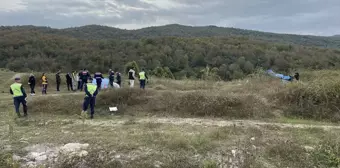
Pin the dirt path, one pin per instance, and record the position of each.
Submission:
(202, 122)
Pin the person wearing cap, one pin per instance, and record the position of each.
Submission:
(85, 75)
(98, 76)
(31, 82)
(91, 91)
(44, 83)
(19, 96)
(142, 79)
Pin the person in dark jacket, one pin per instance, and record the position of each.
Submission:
(91, 92)
(19, 96)
(297, 76)
(98, 76)
(80, 74)
(69, 81)
(31, 82)
(111, 78)
(84, 76)
(119, 79)
(58, 80)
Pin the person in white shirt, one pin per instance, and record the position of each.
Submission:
(132, 77)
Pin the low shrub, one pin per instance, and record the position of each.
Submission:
(318, 100)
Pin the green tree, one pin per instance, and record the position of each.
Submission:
(130, 65)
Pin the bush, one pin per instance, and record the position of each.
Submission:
(318, 100)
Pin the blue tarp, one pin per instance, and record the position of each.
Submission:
(105, 82)
(281, 76)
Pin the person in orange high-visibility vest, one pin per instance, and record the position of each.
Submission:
(44, 83)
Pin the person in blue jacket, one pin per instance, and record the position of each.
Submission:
(98, 76)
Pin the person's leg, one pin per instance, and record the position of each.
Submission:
(58, 87)
(92, 104)
(86, 103)
(68, 86)
(132, 83)
(33, 87)
(111, 83)
(43, 89)
(78, 85)
(46, 88)
(143, 84)
(24, 104)
(99, 85)
(81, 85)
(16, 105)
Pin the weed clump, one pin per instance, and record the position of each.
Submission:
(318, 100)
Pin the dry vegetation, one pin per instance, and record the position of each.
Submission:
(121, 140)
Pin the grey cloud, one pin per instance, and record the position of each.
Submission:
(317, 17)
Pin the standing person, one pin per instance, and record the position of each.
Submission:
(58, 80)
(119, 79)
(69, 82)
(75, 79)
(91, 92)
(80, 74)
(19, 96)
(132, 77)
(142, 79)
(84, 76)
(31, 82)
(44, 83)
(111, 77)
(98, 76)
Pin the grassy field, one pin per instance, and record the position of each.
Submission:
(256, 122)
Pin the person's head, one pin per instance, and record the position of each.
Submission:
(90, 80)
(31, 74)
(59, 71)
(17, 79)
(142, 69)
(43, 74)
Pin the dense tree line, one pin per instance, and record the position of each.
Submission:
(96, 32)
(173, 57)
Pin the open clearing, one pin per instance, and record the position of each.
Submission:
(146, 134)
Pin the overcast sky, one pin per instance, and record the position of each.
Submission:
(316, 17)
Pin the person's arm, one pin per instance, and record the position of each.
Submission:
(10, 91)
(101, 75)
(95, 93)
(87, 92)
(146, 76)
(23, 91)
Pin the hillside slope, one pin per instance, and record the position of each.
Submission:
(175, 30)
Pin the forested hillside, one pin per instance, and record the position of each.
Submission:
(96, 32)
(30, 48)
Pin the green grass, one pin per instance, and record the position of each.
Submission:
(55, 120)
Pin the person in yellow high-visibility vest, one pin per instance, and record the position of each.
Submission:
(142, 79)
(91, 91)
(19, 96)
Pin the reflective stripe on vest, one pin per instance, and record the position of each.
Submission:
(142, 75)
(16, 89)
(91, 88)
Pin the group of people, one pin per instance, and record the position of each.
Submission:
(84, 82)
